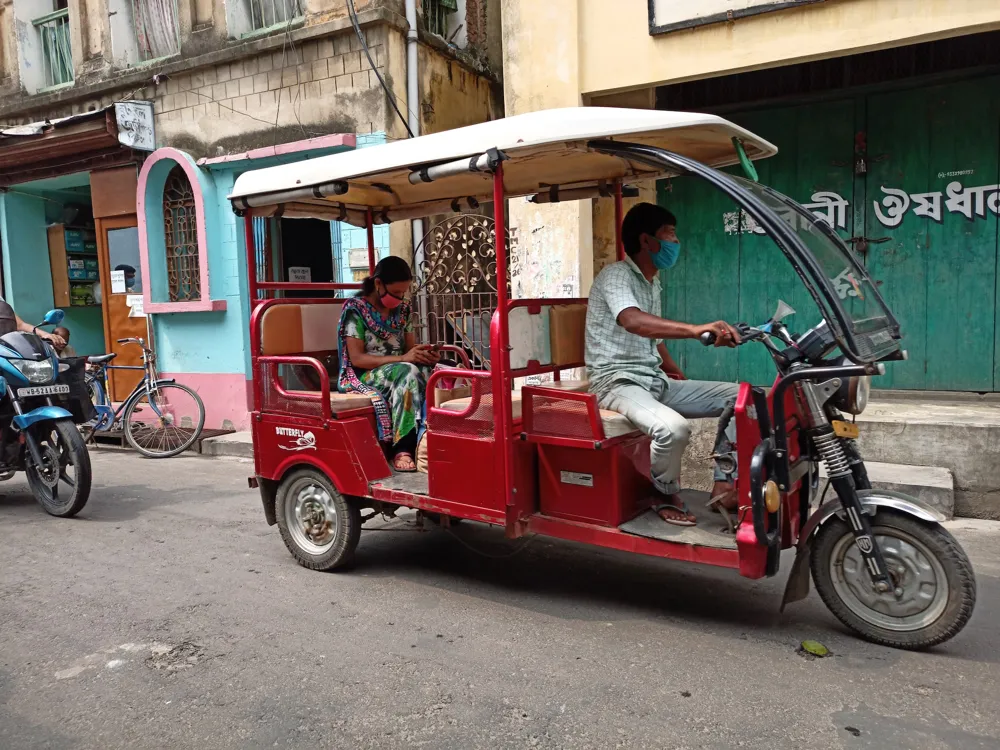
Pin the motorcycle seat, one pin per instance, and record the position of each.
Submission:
(101, 359)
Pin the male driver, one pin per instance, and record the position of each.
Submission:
(629, 365)
(65, 351)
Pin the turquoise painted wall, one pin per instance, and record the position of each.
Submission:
(351, 237)
(28, 275)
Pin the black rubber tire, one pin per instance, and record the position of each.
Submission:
(951, 556)
(174, 449)
(73, 449)
(341, 553)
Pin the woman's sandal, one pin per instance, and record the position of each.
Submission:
(681, 507)
(407, 456)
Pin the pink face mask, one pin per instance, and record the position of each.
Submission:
(389, 301)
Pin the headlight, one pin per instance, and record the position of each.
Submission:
(853, 394)
(35, 372)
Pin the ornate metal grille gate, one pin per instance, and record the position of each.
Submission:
(456, 286)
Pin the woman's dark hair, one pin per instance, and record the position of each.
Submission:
(389, 270)
(644, 218)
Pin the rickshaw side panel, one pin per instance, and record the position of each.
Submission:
(753, 555)
(346, 451)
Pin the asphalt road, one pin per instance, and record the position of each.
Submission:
(169, 615)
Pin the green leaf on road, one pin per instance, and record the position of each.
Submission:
(815, 648)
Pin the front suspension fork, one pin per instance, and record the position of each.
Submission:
(842, 473)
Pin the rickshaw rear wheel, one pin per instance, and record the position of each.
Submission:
(935, 586)
(318, 525)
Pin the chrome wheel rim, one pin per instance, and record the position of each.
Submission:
(311, 517)
(920, 592)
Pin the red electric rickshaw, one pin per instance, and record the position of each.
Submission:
(544, 458)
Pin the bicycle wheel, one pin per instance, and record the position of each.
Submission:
(166, 419)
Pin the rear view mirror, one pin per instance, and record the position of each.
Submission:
(784, 311)
(53, 318)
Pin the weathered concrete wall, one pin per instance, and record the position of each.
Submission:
(551, 244)
(621, 54)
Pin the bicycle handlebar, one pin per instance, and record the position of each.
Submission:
(138, 341)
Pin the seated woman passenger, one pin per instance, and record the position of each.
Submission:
(379, 356)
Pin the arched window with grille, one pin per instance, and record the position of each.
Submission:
(180, 230)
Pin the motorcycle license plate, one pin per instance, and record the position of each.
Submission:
(845, 429)
(43, 390)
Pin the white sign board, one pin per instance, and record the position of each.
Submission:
(134, 301)
(135, 125)
(672, 15)
(118, 282)
(300, 274)
(358, 257)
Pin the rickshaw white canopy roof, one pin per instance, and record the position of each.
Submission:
(545, 149)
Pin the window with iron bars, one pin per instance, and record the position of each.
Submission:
(180, 230)
(436, 14)
(54, 42)
(266, 13)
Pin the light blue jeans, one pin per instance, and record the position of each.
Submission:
(662, 413)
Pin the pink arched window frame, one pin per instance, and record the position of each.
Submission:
(205, 304)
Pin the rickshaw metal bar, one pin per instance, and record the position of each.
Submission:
(500, 356)
(462, 354)
(619, 215)
(370, 227)
(324, 380)
(482, 163)
(320, 191)
(251, 258)
(607, 536)
(474, 400)
(305, 286)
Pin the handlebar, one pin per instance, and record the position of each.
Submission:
(747, 333)
(139, 341)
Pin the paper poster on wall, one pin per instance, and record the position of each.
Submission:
(118, 282)
(134, 301)
(300, 274)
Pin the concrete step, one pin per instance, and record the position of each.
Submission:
(933, 485)
(962, 436)
(237, 444)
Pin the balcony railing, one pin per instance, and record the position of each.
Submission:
(57, 56)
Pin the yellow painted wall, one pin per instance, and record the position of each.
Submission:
(621, 54)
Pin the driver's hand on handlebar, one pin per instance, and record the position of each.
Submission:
(58, 342)
(725, 334)
(422, 354)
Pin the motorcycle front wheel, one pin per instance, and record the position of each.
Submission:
(934, 586)
(62, 483)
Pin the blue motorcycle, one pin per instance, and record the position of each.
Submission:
(38, 434)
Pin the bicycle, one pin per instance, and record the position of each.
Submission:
(177, 412)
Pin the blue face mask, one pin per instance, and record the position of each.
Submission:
(666, 256)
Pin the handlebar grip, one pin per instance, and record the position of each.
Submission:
(707, 338)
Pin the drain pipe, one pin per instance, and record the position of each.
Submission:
(413, 107)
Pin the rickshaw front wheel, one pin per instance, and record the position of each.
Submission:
(934, 586)
(319, 527)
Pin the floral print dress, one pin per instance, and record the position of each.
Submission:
(400, 384)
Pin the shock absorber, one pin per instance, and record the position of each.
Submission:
(832, 453)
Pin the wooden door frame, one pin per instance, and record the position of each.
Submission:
(102, 226)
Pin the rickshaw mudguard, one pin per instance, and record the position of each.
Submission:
(797, 586)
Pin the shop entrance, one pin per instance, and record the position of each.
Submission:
(121, 278)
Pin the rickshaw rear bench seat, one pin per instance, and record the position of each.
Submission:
(593, 464)
(308, 330)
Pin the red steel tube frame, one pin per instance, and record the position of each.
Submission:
(251, 258)
(619, 245)
(324, 380)
(469, 375)
(462, 354)
(501, 357)
(371, 241)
